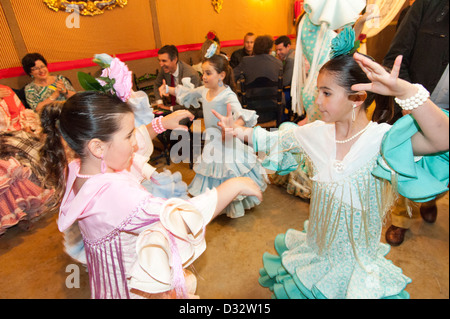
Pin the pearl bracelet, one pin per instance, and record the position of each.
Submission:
(414, 101)
(157, 125)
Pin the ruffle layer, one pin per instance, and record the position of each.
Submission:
(167, 246)
(166, 185)
(210, 175)
(237, 208)
(20, 198)
(281, 148)
(299, 273)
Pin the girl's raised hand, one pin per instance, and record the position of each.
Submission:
(226, 122)
(172, 120)
(383, 82)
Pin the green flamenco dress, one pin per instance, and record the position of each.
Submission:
(339, 254)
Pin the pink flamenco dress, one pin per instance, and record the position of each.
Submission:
(135, 244)
(22, 199)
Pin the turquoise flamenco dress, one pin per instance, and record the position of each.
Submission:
(339, 255)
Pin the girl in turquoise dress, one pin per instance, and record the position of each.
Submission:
(339, 253)
(220, 160)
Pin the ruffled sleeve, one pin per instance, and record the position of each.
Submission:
(249, 117)
(187, 94)
(171, 244)
(281, 147)
(140, 167)
(419, 179)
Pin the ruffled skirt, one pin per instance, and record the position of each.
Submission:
(298, 272)
(220, 162)
(20, 198)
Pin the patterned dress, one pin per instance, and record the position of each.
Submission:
(35, 94)
(339, 253)
(22, 197)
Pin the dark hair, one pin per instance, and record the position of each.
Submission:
(29, 61)
(249, 34)
(283, 39)
(263, 45)
(220, 64)
(171, 50)
(348, 73)
(84, 116)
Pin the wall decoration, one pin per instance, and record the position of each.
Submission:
(217, 4)
(86, 8)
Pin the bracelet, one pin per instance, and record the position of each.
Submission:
(51, 98)
(414, 101)
(167, 89)
(157, 125)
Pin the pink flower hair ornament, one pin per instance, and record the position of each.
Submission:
(115, 78)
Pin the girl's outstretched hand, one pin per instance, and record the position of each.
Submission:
(227, 122)
(383, 82)
(172, 120)
(248, 187)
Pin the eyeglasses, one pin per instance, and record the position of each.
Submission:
(36, 68)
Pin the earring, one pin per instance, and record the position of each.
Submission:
(220, 83)
(354, 113)
(103, 166)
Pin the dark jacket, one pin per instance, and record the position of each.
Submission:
(422, 39)
(261, 65)
(237, 57)
(185, 71)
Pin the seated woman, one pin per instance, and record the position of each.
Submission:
(44, 88)
(21, 196)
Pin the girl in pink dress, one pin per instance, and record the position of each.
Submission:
(136, 244)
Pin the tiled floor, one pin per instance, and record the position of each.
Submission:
(34, 265)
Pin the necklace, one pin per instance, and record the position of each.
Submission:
(354, 136)
(84, 176)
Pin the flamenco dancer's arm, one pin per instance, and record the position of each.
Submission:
(230, 127)
(433, 136)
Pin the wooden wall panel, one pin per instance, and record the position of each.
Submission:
(120, 30)
(188, 21)
(8, 53)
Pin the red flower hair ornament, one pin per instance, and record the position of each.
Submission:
(211, 35)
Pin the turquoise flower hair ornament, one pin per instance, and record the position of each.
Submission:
(344, 43)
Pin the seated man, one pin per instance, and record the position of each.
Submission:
(287, 56)
(247, 50)
(172, 71)
(261, 64)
